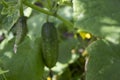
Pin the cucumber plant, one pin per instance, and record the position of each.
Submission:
(88, 34)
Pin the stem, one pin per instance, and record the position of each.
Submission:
(37, 8)
(20, 2)
(49, 4)
(64, 20)
(69, 24)
(50, 8)
(50, 74)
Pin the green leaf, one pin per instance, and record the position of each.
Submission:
(8, 14)
(9, 7)
(8, 21)
(65, 48)
(34, 25)
(26, 64)
(99, 17)
(103, 62)
(66, 12)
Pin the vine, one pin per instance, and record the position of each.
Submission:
(68, 23)
(20, 2)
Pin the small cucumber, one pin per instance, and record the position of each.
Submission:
(49, 44)
(20, 31)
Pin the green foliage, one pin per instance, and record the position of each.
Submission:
(8, 14)
(35, 23)
(104, 61)
(65, 48)
(88, 33)
(98, 17)
(25, 64)
(101, 19)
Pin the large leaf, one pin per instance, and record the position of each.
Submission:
(104, 61)
(65, 48)
(26, 64)
(34, 25)
(99, 17)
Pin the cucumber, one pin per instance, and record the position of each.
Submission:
(49, 44)
(20, 31)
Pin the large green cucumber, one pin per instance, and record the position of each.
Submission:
(49, 44)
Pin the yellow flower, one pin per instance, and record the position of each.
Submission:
(85, 35)
(48, 78)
